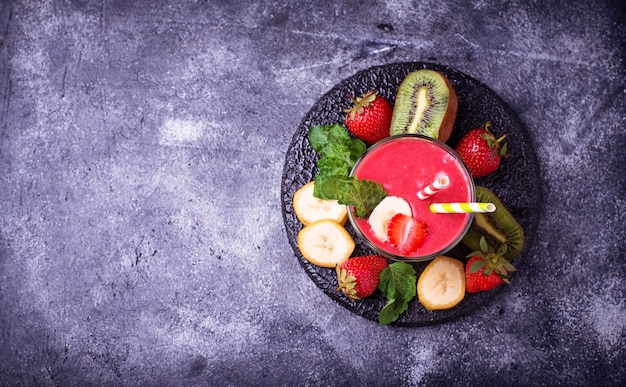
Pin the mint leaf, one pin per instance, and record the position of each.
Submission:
(364, 195)
(339, 152)
(334, 140)
(356, 148)
(398, 282)
(331, 166)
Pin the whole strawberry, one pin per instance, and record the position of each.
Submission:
(358, 277)
(370, 117)
(481, 151)
(487, 269)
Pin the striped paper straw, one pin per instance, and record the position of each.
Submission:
(460, 208)
(433, 187)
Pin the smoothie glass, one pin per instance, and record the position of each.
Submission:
(405, 164)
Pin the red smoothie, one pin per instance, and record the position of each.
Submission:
(404, 165)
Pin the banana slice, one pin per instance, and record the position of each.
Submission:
(385, 210)
(325, 243)
(308, 208)
(442, 283)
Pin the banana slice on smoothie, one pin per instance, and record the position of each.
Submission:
(325, 243)
(442, 284)
(384, 211)
(308, 208)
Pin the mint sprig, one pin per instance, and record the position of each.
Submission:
(339, 152)
(398, 282)
(334, 140)
(364, 195)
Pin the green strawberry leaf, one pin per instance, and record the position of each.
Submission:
(477, 265)
(503, 150)
(398, 282)
(484, 247)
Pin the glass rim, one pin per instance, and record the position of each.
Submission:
(419, 258)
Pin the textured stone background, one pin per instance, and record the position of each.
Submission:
(141, 152)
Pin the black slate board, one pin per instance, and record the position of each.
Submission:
(517, 182)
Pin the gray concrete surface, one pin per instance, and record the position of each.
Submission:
(141, 151)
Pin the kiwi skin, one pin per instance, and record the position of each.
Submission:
(404, 101)
(498, 227)
(448, 120)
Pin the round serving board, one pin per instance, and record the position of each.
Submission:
(516, 182)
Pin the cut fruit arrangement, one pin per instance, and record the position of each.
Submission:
(425, 104)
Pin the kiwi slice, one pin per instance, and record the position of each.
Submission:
(498, 227)
(425, 104)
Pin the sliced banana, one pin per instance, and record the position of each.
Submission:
(442, 283)
(384, 211)
(325, 243)
(308, 208)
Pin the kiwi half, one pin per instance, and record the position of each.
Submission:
(425, 104)
(498, 227)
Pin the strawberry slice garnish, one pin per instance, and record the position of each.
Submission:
(406, 233)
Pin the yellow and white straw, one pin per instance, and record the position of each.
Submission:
(461, 208)
(441, 183)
